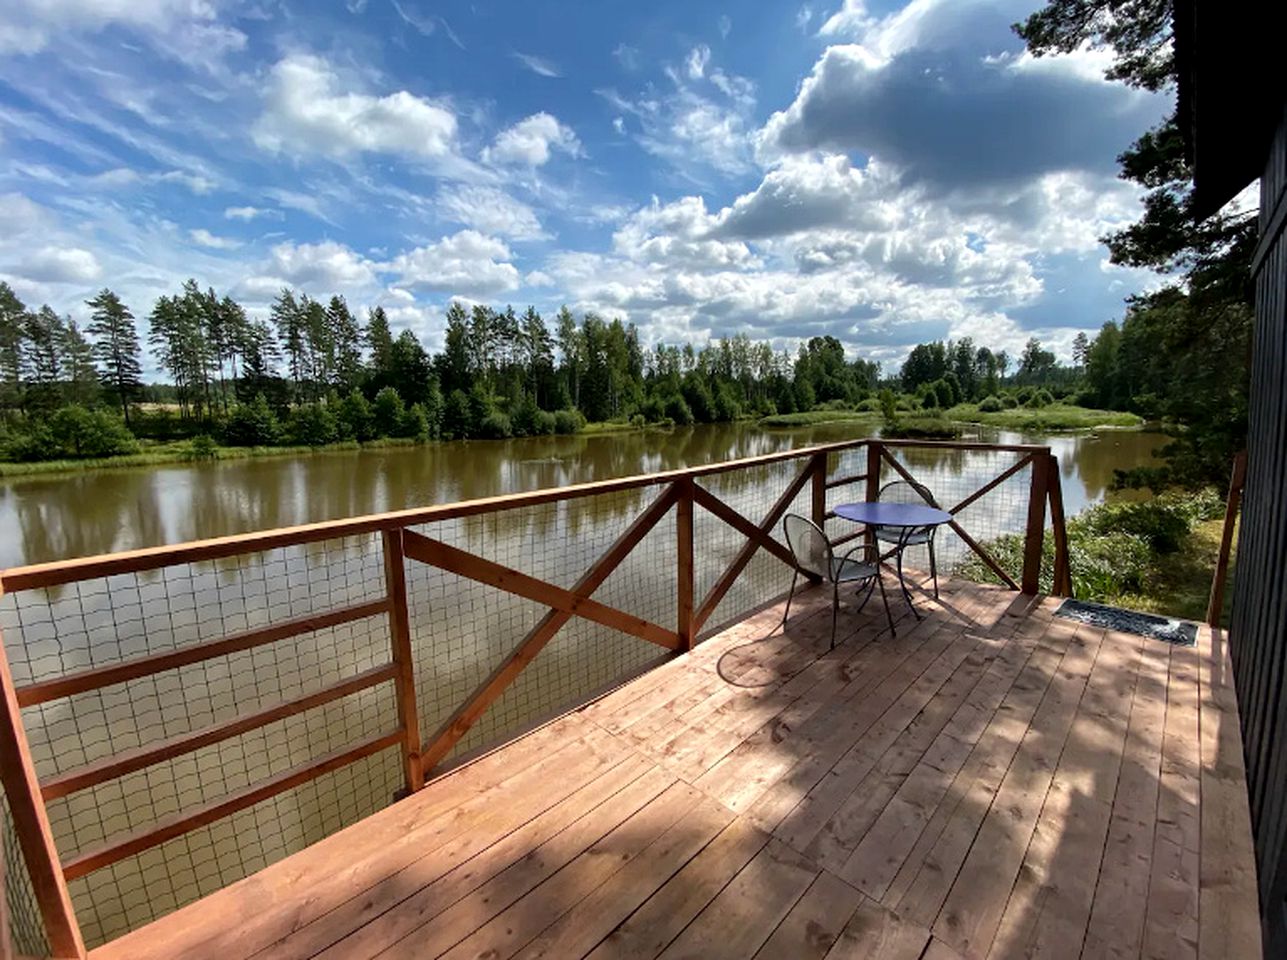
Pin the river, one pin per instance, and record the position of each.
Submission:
(54, 517)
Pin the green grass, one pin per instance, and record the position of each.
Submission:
(1057, 416)
(921, 428)
(179, 451)
(812, 417)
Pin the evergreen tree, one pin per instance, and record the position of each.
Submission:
(116, 348)
(288, 319)
(346, 340)
(379, 339)
(13, 321)
(78, 365)
(42, 358)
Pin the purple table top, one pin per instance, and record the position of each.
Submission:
(893, 514)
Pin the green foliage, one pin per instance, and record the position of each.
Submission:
(494, 426)
(387, 413)
(457, 421)
(922, 428)
(888, 405)
(313, 425)
(355, 419)
(990, 404)
(677, 410)
(202, 447)
(252, 424)
(568, 421)
(70, 432)
(1040, 398)
(415, 424)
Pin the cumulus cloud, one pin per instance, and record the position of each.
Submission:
(308, 110)
(55, 264)
(531, 141)
(248, 213)
(323, 266)
(468, 263)
(490, 211)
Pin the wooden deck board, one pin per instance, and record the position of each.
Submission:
(989, 782)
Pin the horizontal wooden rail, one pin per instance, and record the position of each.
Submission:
(176, 825)
(465, 564)
(119, 765)
(97, 677)
(843, 481)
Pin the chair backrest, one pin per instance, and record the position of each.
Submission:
(809, 545)
(904, 491)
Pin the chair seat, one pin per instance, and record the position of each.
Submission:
(895, 535)
(842, 572)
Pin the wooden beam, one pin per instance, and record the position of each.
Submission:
(723, 511)
(846, 480)
(1035, 530)
(984, 555)
(486, 693)
(968, 445)
(31, 823)
(729, 577)
(818, 498)
(1063, 568)
(100, 771)
(465, 564)
(1236, 484)
(395, 578)
(97, 677)
(991, 484)
(177, 824)
(684, 567)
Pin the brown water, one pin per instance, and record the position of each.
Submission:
(55, 517)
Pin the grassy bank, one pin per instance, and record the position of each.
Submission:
(811, 418)
(1154, 555)
(1056, 416)
(160, 454)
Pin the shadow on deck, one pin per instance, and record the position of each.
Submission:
(990, 782)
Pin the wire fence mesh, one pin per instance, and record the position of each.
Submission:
(461, 630)
(26, 928)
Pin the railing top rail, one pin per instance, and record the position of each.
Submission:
(60, 572)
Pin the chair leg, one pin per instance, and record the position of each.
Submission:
(907, 594)
(933, 567)
(884, 599)
(795, 575)
(835, 610)
(871, 586)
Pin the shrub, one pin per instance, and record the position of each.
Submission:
(415, 424)
(834, 405)
(202, 447)
(522, 417)
(77, 432)
(546, 424)
(252, 424)
(1023, 397)
(1162, 523)
(1041, 398)
(313, 425)
(727, 406)
(1009, 402)
(456, 421)
(495, 426)
(387, 413)
(990, 404)
(637, 420)
(698, 397)
(569, 421)
(678, 411)
(356, 419)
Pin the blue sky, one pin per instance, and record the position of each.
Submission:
(879, 172)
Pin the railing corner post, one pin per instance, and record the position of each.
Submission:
(1034, 534)
(395, 576)
(819, 489)
(684, 569)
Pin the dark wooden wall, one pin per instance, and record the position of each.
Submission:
(1258, 631)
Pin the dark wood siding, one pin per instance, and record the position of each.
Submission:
(1258, 631)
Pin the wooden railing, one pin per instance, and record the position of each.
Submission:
(681, 490)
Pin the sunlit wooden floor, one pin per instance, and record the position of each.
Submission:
(989, 783)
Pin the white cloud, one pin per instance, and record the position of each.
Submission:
(619, 125)
(53, 264)
(538, 65)
(195, 182)
(248, 213)
(207, 239)
(27, 26)
(531, 141)
(468, 263)
(725, 25)
(627, 56)
(697, 60)
(490, 211)
(307, 110)
(325, 266)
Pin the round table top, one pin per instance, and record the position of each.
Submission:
(893, 514)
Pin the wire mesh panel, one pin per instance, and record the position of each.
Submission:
(462, 629)
(94, 623)
(26, 928)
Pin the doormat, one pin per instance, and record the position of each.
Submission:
(1180, 632)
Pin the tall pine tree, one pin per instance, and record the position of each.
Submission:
(115, 348)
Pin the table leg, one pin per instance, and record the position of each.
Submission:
(902, 581)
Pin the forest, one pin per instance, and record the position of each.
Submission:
(315, 373)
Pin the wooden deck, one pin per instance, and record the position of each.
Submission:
(989, 783)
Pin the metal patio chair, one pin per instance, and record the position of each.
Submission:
(904, 491)
(814, 556)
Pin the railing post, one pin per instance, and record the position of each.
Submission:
(395, 577)
(1063, 574)
(684, 563)
(872, 488)
(1030, 583)
(1215, 606)
(819, 490)
(31, 824)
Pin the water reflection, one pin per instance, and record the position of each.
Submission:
(56, 517)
